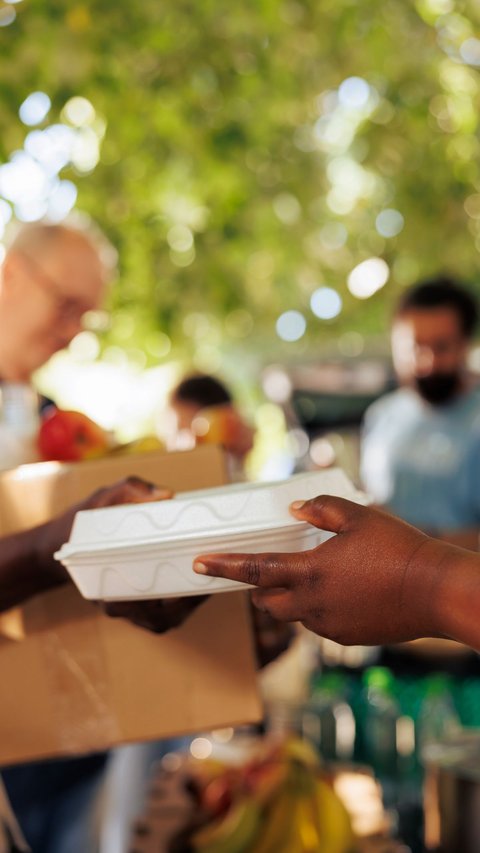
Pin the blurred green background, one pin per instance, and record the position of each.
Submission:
(245, 160)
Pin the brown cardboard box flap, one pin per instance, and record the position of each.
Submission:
(75, 681)
(33, 493)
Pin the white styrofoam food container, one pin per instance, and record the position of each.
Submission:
(141, 551)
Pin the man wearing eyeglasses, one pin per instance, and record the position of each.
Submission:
(52, 275)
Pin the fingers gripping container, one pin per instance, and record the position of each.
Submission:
(141, 551)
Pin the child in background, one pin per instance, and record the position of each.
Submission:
(204, 412)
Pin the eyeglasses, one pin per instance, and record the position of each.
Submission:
(67, 308)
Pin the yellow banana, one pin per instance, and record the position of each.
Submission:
(307, 817)
(147, 444)
(234, 833)
(300, 751)
(276, 823)
(332, 819)
(289, 825)
(306, 835)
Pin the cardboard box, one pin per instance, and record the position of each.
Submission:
(74, 681)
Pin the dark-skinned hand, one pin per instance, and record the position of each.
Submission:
(379, 580)
(157, 616)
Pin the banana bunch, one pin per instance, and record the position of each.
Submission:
(306, 815)
(282, 805)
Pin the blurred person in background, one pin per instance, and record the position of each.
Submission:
(51, 276)
(204, 411)
(420, 454)
(420, 449)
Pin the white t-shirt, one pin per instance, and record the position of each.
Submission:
(422, 461)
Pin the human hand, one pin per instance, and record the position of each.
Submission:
(158, 615)
(272, 638)
(379, 580)
(52, 535)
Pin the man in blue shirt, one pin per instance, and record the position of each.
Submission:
(421, 443)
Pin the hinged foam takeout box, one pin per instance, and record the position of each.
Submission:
(146, 551)
(73, 680)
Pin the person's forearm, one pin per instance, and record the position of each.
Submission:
(28, 567)
(23, 570)
(465, 538)
(458, 603)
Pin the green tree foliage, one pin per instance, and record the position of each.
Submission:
(235, 176)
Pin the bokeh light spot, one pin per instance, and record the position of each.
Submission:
(276, 384)
(85, 150)
(326, 303)
(297, 443)
(158, 344)
(340, 201)
(470, 51)
(322, 453)
(354, 92)
(287, 208)
(180, 238)
(389, 222)
(79, 111)
(368, 277)
(201, 748)
(34, 108)
(7, 16)
(291, 326)
(472, 206)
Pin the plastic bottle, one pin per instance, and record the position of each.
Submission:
(382, 712)
(328, 719)
(438, 719)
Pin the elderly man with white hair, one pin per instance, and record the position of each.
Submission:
(52, 275)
